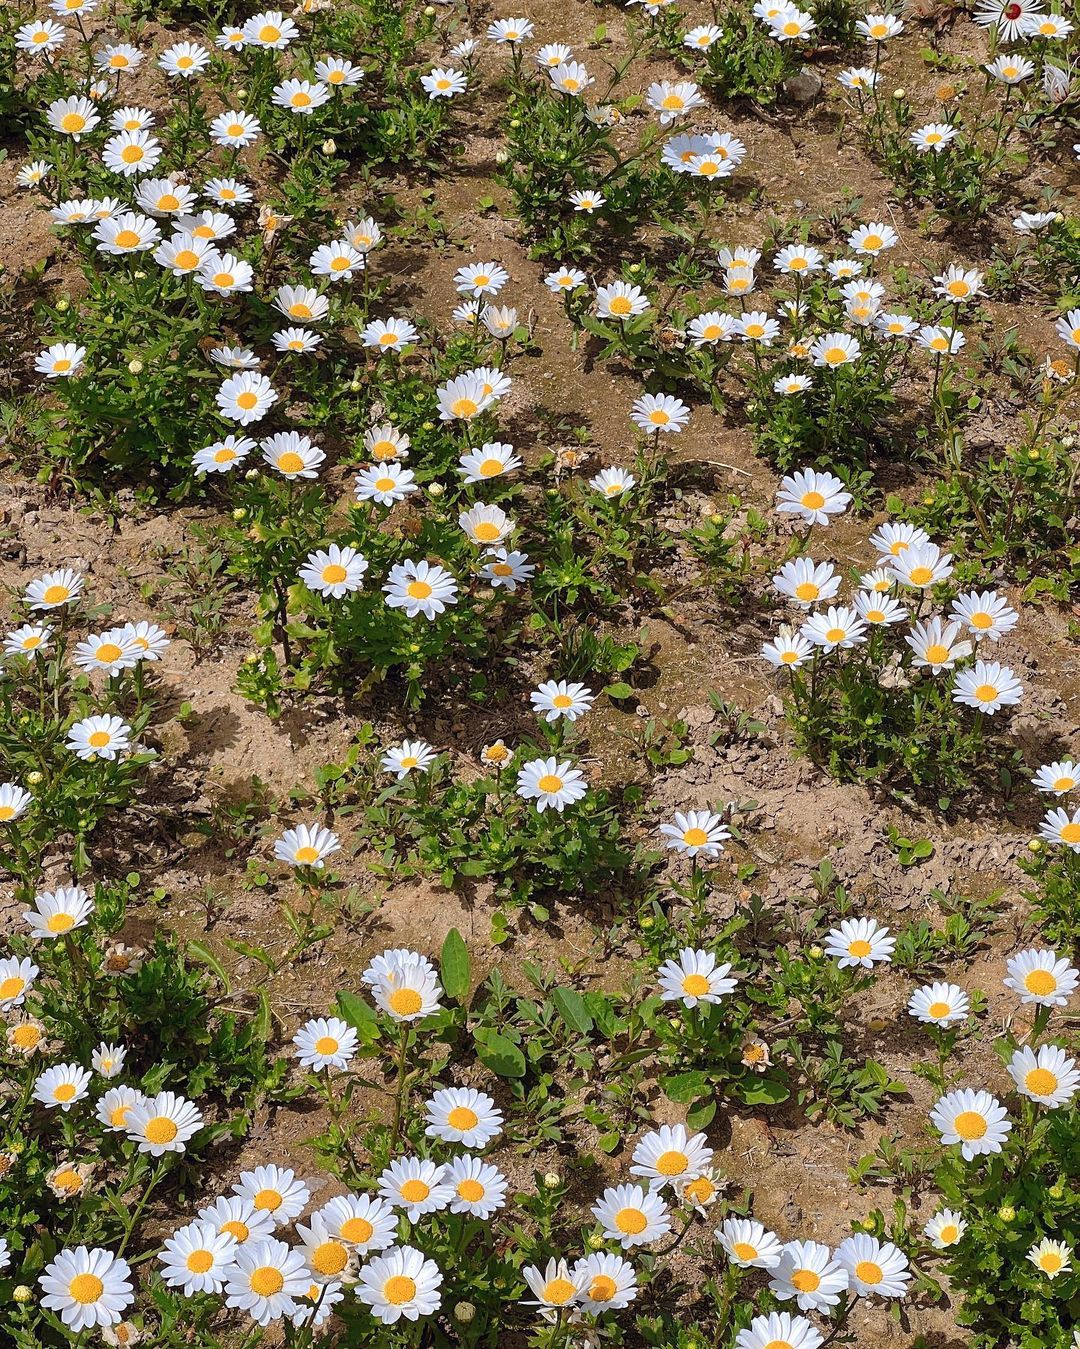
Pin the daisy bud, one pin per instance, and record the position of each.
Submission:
(515, 122)
(239, 513)
(429, 11)
(140, 276)
(596, 1242)
(436, 489)
(241, 94)
(899, 93)
(355, 386)
(329, 145)
(135, 367)
(33, 778)
(464, 1312)
(815, 953)
(1033, 454)
(1068, 442)
(877, 1023)
(63, 306)
(108, 320)
(1034, 845)
(1057, 1191)
(428, 426)
(1006, 1213)
(501, 156)
(552, 1180)
(21, 1293)
(648, 923)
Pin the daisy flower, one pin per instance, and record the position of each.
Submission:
(235, 129)
(670, 1154)
(987, 686)
(246, 397)
(274, 1190)
(792, 384)
(812, 496)
(939, 1004)
(462, 1115)
(300, 96)
(1058, 777)
(74, 117)
(301, 302)
(325, 1042)
(197, 1258)
(1051, 1257)
(420, 587)
(408, 757)
(1008, 17)
(984, 614)
(874, 1267)
(557, 698)
(114, 1107)
(935, 646)
(944, 1229)
(99, 737)
(444, 82)
(388, 334)
(921, 565)
(163, 1123)
(696, 832)
(712, 327)
(1068, 328)
(336, 71)
(479, 1188)
(1010, 69)
(748, 1244)
(184, 60)
(550, 783)
(807, 582)
(957, 284)
(87, 1287)
(694, 978)
(223, 455)
(564, 280)
(507, 569)
(308, 845)
(613, 482)
(659, 412)
(485, 525)
(337, 261)
(779, 1330)
(491, 460)
(62, 1086)
(400, 1283)
(631, 1215)
(265, 1279)
(791, 25)
(128, 232)
(334, 572)
(385, 483)
(291, 454)
(297, 340)
(620, 300)
(836, 627)
(59, 911)
(808, 1272)
(871, 239)
(933, 137)
(879, 609)
(607, 1282)
(131, 152)
(415, 1185)
(1041, 977)
(1048, 1077)
(108, 1060)
(409, 991)
(891, 540)
(225, 273)
(109, 651)
(570, 78)
(365, 1222)
(860, 942)
(43, 35)
(62, 360)
(239, 1218)
(29, 639)
(463, 398)
(270, 29)
(789, 649)
(974, 1119)
(16, 978)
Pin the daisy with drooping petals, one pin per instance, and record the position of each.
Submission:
(549, 783)
(308, 845)
(462, 1115)
(669, 1155)
(860, 942)
(874, 1268)
(935, 645)
(808, 1272)
(114, 1107)
(1051, 1257)
(108, 1060)
(400, 1283)
(265, 1279)
(87, 1287)
(325, 1042)
(102, 737)
(944, 1229)
(62, 1086)
(748, 1244)
(504, 569)
(696, 832)
(812, 496)
(408, 990)
(988, 686)
(197, 1257)
(1047, 1076)
(779, 1330)
(1041, 977)
(939, 1004)
(694, 978)
(30, 639)
(613, 482)
(974, 1119)
(335, 571)
(59, 911)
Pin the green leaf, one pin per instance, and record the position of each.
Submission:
(360, 1015)
(454, 967)
(619, 690)
(700, 1115)
(684, 1087)
(762, 1091)
(572, 1008)
(498, 1053)
(202, 953)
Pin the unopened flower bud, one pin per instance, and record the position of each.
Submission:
(552, 1180)
(135, 367)
(464, 1312)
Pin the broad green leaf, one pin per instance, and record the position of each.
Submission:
(454, 967)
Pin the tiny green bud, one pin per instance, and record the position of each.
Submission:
(135, 367)
(1006, 1213)
(21, 1293)
(815, 952)
(62, 306)
(552, 1180)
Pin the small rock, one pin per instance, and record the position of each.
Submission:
(803, 87)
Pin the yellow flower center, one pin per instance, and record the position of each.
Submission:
(306, 855)
(1040, 982)
(937, 654)
(266, 1281)
(26, 1036)
(185, 62)
(672, 1163)
(99, 739)
(948, 1234)
(1070, 833)
(108, 652)
(791, 28)
(290, 462)
(131, 154)
(806, 1281)
(268, 1201)
(471, 1191)
(415, 1191)
(357, 1230)
(237, 1229)
(875, 615)
(1050, 1262)
(224, 456)
(418, 590)
(860, 948)
(619, 304)
(461, 1117)
(659, 417)
(958, 288)
(268, 33)
(300, 99)
(405, 1002)
(866, 1271)
(1041, 1082)
(550, 783)
(970, 1125)
(198, 1262)
(168, 202)
(1065, 784)
(464, 407)
(61, 922)
(246, 401)
(934, 138)
(490, 468)
(872, 242)
(62, 365)
(334, 573)
(127, 239)
(813, 501)
(299, 310)
(744, 1251)
(836, 635)
(85, 1288)
(986, 693)
(11, 987)
(329, 1258)
(631, 1221)
(118, 1116)
(72, 123)
(224, 279)
(807, 590)
(701, 1190)
(938, 1010)
(695, 838)
(398, 1290)
(68, 1180)
(695, 986)
(921, 576)
(712, 332)
(835, 356)
(161, 1129)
